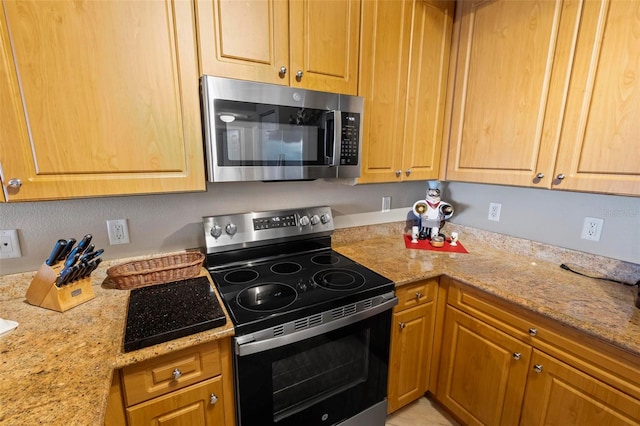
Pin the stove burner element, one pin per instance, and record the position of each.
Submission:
(325, 259)
(267, 297)
(286, 268)
(339, 279)
(241, 276)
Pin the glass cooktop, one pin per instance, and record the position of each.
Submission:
(263, 294)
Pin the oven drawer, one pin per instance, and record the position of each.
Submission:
(415, 294)
(167, 373)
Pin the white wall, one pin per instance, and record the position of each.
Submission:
(161, 223)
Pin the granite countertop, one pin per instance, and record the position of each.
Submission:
(57, 367)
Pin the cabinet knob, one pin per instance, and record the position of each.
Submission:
(540, 175)
(560, 176)
(283, 71)
(398, 173)
(402, 325)
(517, 355)
(537, 368)
(408, 172)
(14, 183)
(213, 399)
(176, 374)
(533, 331)
(299, 75)
(419, 295)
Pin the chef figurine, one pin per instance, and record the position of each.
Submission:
(432, 212)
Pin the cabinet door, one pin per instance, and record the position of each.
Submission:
(404, 58)
(482, 371)
(244, 39)
(200, 404)
(411, 351)
(599, 149)
(426, 92)
(503, 78)
(99, 98)
(558, 394)
(384, 64)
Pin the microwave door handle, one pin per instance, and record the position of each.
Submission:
(333, 141)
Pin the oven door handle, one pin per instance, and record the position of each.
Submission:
(246, 345)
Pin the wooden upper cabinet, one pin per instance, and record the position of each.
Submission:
(600, 140)
(547, 95)
(99, 98)
(503, 70)
(404, 59)
(311, 44)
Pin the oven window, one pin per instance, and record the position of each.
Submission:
(305, 378)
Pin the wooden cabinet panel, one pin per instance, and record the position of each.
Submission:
(100, 98)
(599, 148)
(227, 49)
(482, 371)
(155, 377)
(404, 58)
(503, 74)
(412, 341)
(317, 38)
(561, 395)
(193, 405)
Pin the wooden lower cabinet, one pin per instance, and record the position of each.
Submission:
(200, 404)
(192, 386)
(558, 394)
(411, 343)
(504, 365)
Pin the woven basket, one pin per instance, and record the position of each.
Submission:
(158, 270)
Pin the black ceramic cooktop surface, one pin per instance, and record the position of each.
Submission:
(168, 311)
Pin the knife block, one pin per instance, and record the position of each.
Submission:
(43, 291)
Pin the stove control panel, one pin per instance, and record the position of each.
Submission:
(228, 232)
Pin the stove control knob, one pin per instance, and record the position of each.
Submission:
(325, 218)
(231, 229)
(216, 231)
(315, 219)
(304, 220)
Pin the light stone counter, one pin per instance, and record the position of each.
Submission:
(57, 367)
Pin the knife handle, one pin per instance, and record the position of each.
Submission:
(55, 252)
(67, 249)
(84, 242)
(86, 257)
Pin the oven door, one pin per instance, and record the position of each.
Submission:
(322, 380)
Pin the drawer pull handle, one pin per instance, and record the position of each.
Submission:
(537, 368)
(176, 374)
(419, 295)
(213, 399)
(402, 325)
(517, 355)
(533, 331)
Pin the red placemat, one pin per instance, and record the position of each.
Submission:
(426, 245)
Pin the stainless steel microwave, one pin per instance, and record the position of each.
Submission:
(266, 132)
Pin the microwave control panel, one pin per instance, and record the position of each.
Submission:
(350, 138)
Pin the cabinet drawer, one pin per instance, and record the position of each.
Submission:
(155, 377)
(200, 404)
(415, 294)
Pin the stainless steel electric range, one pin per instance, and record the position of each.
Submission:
(312, 326)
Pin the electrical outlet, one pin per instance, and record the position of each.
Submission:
(592, 228)
(386, 203)
(494, 211)
(9, 244)
(118, 231)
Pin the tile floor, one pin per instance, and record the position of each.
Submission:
(422, 412)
